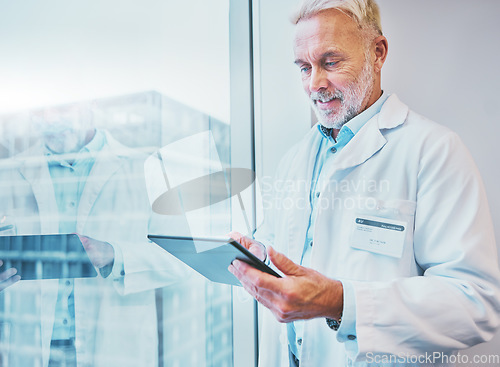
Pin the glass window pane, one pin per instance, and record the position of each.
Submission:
(106, 106)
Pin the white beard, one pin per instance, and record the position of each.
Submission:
(352, 99)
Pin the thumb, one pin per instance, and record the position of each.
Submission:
(235, 235)
(283, 263)
(82, 239)
(242, 240)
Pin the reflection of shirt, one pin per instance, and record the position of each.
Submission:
(69, 182)
(325, 157)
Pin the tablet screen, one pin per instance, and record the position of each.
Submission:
(213, 262)
(52, 256)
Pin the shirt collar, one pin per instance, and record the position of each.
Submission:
(96, 144)
(357, 122)
(90, 149)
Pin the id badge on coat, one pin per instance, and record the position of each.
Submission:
(379, 235)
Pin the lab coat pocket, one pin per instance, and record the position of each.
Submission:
(383, 231)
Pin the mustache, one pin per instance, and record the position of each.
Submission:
(326, 95)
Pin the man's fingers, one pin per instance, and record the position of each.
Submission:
(84, 240)
(253, 276)
(238, 237)
(245, 242)
(253, 246)
(258, 250)
(261, 294)
(8, 277)
(7, 274)
(235, 235)
(283, 263)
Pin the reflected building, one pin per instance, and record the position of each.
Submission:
(147, 120)
(193, 316)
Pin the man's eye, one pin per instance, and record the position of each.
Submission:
(305, 69)
(331, 63)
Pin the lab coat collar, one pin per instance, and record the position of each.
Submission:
(106, 164)
(369, 140)
(393, 113)
(34, 168)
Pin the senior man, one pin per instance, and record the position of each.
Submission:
(393, 259)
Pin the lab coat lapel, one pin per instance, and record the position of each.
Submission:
(369, 140)
(362, 147)
(106, 164)
(36, 173)
(298, 222)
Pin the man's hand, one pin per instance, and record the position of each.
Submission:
(255, 247)
(8, 277)
(301, 294)
(100, 253)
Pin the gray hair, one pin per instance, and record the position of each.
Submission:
(364, 12)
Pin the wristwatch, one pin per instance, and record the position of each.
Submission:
(333, 324)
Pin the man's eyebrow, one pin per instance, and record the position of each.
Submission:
(331, 54)
(322, 57)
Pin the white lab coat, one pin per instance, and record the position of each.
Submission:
(116, 322)
(442, 295)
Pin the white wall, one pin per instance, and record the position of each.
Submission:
(442, 63)
(443, 60)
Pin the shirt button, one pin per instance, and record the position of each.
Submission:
(311, 243)
(333, 150)
(122, 273)
(318, 194)
(351, 337)
(68, 283)
(65, 322)
(299, 341)
(71, 204)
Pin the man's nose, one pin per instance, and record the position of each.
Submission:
(318, 80)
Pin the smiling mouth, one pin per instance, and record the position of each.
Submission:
(329, 103)
(323, 97)
(324, 100)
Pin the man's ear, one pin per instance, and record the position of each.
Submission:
(381, 46)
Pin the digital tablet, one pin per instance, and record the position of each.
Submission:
(213, 262)
(51, 256)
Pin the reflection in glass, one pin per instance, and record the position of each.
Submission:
(89, 90)
(77, 178)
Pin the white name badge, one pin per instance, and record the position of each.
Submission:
(379, 235)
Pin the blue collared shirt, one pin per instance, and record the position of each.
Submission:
(326, 155)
